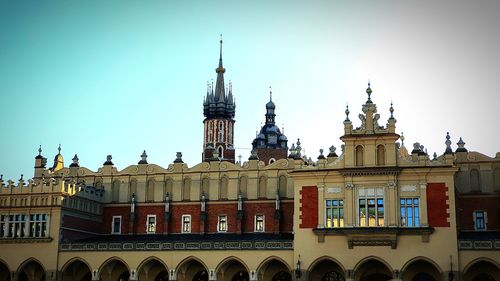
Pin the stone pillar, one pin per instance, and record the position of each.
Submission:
(212, 276)
(133, 275)
(95, 275)
(171, 275)
(392, 200)
(423, 205)
(321, 205)
(350, 205)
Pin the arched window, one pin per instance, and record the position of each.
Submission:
(221, 131)
(223, 188)
(205, 187)
(116, 191)
(243, 186)
(359, 155)
(282, 183)
(133, 189)
(186, 189)
(220, 150)
(262, 187)
(150, 191)
(380, 155)
(168, 188)
(475, 183)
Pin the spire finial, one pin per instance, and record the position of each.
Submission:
(402, 139)
(391, 109)
(40, 150)
(369, 92)
(347, 112)
(448, 144)
(59, 149)
(270, 93)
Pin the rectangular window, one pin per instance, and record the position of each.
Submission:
(222, 224)
(479, 220)
(410, 212)
(186, 223)
(116, 225)
(3, 226)
(151, 224)
(259, 223)
(334, 213)
(371, 207)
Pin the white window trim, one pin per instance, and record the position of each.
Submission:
(263, 223)
(485, 214)
(218, 223)
(113, 225)
(147, 224)
(182, 224)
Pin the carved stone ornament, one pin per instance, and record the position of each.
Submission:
(349, 185)
(391, 184)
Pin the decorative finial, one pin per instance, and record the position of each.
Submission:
(347, 113)
(369, 92)
(59, 149)
(434, 156)
(461, 146)
(178, 158)
(448, 144)
(40, 150)
(220, 38)
(391, 109)
(21, 177)
(144, 157)
(402, 139)
(270, 93)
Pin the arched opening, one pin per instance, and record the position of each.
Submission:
(223, 188)
(282, 183)
(221, 133)
(262, 187)
(359, 156)
(421, 270)
(116, 191)
(232, 270)
(76, 270)
(150, 191)
(380, 155)
(243, 186)
(482, 270)
(114, 269)
(31, 270)
(372, 270)
(192, 270)
(326, 270)
(274, 269)
(205, 187)
(152, 270)
(475, 184)
(186, 189)
(4, 272)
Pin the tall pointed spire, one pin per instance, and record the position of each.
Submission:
(219, 85)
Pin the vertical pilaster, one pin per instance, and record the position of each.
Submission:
(350, 204)
(321, 205)
(392, 191)
(424, 222)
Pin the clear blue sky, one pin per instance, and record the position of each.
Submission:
(117, 77)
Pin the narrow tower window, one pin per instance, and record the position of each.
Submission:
(380, 155)
(359, 155)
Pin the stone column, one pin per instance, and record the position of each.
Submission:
(392, 192)
(321, 205)
(350, 205)
(133, 275)
(423, 205)
(95, 275)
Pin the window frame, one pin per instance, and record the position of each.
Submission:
(188, 222)
(484, 220)
(339, 206)
(148, 231)
(222, 225)
(415, 212)
(262, 222)
(367, 197)
(113, 225)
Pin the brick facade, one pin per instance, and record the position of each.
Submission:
(308, 207)
(437, 205)
(467, 204)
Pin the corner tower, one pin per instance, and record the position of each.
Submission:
(218, 129)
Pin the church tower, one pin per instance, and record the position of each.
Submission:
(270, 144)
(218, 129)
